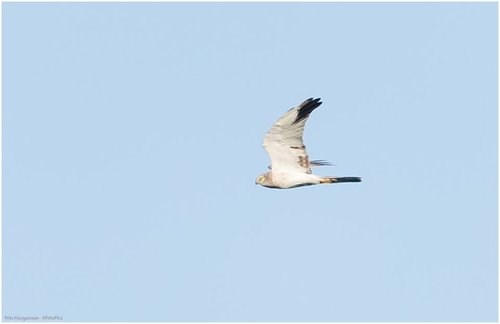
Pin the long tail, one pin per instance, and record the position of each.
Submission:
(339, 179)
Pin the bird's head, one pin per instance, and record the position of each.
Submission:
(261, 180)
(264, 180)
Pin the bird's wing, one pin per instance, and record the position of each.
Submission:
(284, 142)
(313, 163)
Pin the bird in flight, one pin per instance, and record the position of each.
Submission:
(290, 165)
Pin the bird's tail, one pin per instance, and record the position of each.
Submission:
(339, 179)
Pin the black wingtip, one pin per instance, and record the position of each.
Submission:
(306, 108)
(348, 179)
(320, 163)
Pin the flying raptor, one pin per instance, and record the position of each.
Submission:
(290, 165)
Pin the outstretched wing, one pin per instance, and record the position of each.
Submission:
(284, 143)
(313, 163)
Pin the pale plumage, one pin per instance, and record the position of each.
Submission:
(290, 165)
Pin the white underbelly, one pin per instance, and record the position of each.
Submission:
(288, 180)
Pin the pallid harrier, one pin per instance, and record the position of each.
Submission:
(290, 165)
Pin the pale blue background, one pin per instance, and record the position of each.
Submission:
(132, 139)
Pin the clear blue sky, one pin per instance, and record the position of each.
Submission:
(132, 139)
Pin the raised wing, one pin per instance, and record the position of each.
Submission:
(313, 163)
(284, 143)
